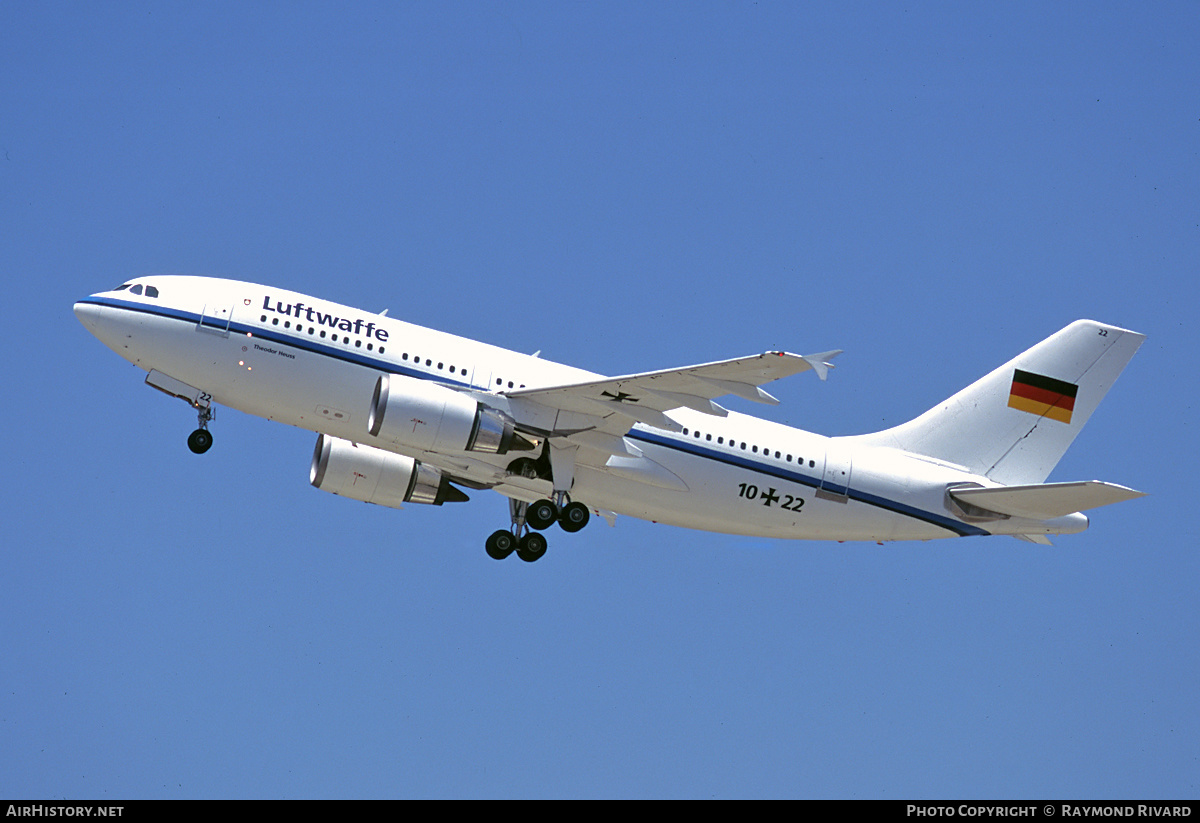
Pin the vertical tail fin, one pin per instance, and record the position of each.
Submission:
(1015, 424)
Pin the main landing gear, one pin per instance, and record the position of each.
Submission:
(528, 519)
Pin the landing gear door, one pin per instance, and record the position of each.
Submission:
(835, 480)
(215, 318)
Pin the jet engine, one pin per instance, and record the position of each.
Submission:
(425, 416)
(377, 476)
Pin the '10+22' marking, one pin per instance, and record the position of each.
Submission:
(770, 498)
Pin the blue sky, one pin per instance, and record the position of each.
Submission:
(932, 187)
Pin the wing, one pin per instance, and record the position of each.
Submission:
(598, 412)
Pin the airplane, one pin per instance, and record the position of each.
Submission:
(405, 414)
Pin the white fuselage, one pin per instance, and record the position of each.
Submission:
(314, 364)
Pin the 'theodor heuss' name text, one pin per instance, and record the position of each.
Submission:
(320, 318)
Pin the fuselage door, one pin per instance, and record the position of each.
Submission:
(835, 480)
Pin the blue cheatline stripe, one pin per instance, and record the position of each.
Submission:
(686, 446)
(783, 473)
(275, 336)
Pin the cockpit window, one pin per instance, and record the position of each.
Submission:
(136, 288)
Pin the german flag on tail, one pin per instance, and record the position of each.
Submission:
(1043, 396)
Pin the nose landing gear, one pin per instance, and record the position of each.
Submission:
(201, 439)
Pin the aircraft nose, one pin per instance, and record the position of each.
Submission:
(89, 314)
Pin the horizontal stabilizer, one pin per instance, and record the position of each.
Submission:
(1043, 501)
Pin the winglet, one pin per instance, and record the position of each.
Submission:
(820, 362)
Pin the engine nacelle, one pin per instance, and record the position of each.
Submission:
(421, 415)
(377, 476)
